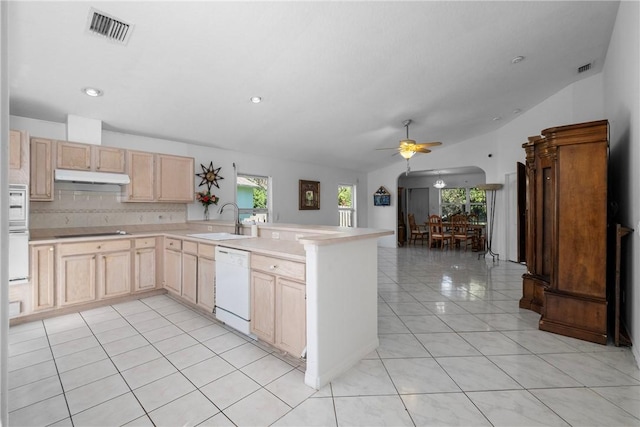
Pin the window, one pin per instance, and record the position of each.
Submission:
(346, 205)
(463, 200)
(253, 197)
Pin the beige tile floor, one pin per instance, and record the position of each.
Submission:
(455, 349)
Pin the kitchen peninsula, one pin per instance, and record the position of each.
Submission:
(338, 278)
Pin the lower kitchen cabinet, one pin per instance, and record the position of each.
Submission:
(173, 265)
(189, 271)
(263, 306)
(88, 271)
(42, 276)
(144, 276)
(77, 279)
(291, 316)
(206, 276)
(278, 304)
(114, 277)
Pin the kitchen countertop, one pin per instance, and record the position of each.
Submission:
(291, 247)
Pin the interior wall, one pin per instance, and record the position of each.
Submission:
(285, 174)
(621, 103)
(504, 145)
(4, 213)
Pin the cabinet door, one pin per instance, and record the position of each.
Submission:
(77, 279)
(18, 158)
(291, 316)
(173, 271)
(175, 179)
(72, 155)
(263, 293)
(206, 283)
(145, 269)
(189, 276)
(140, 170)
(41, 171)
(108, 159)
(42, 277)
(115, 274)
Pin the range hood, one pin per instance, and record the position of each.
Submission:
(91, 177)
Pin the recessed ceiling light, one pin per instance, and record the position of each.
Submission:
(517, 111)
(497, 118)
(256, 99)
(92, 91)
(517, 59)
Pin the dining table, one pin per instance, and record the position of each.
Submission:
(478, 243)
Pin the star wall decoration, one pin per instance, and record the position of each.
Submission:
(209, 175)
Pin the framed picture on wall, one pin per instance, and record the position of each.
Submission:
(381, 197)
(309, 197)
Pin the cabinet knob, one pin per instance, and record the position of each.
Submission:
(99, 247)
(50, 249)
(88, 167)
(273, 267)
(171, 244)
(98, 167)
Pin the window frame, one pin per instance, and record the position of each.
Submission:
(245, 213)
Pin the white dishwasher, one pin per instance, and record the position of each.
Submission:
(233, 288)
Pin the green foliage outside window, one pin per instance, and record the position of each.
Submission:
(344, 197)
(454, 201)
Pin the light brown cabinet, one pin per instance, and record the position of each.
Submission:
(263, 306)
(189, 271)
(91, 270)
(114, 274)
(144, 277)
(174, 178)
(206, 276)
(77, 156)
(41, 170)
(566, 223)
(43, 277)
(140, 168)
(278, 303)
(173, 265)
(18, 157)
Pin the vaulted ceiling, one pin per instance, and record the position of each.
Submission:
(336, 79)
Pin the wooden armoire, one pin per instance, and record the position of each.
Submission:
(566, 230)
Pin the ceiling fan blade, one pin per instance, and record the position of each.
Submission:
(429, 144)
(394, 148)
(422, 150)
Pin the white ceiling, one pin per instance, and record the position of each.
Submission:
(337, 78)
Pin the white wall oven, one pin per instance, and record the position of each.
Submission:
(18, 233)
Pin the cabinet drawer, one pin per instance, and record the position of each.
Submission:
(281, 267)
(93, 247)
(190, 247)
(175, 244)
(206, 250)
(147, 242)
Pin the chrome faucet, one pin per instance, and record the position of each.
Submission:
(237, 215)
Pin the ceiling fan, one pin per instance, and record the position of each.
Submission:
(409, 147)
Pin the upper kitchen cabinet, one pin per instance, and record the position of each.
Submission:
(175, 178)
(140, 170)
(18, 157)
(41, 171)
(73, 155)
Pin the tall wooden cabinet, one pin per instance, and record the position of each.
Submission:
(566, 246)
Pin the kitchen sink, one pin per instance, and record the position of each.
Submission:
(219, 236)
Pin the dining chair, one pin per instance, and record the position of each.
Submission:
(437, 232)
(461, 230)
(417, 231)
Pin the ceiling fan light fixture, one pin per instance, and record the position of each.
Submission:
(439, 184)
(407, 153)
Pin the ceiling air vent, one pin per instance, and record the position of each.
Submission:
(113, 29)
(585, 67)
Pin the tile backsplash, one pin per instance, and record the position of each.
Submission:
(89, 205)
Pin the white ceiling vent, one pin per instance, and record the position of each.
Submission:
(585, 67)
(113, 29)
